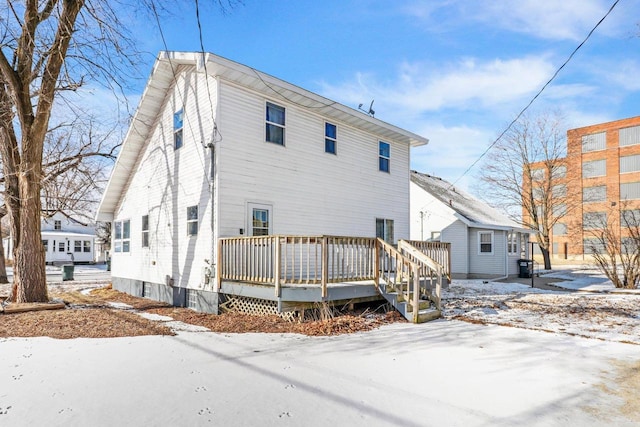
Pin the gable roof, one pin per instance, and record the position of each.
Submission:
(471, 211)
(161, 80)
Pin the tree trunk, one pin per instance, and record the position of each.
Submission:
(546, 258)
(30, 280)
(3, 265)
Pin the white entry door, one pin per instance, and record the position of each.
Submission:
(260, 219)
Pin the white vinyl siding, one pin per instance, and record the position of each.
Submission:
(594, 220)
(629, 136)
(594, 194)
(630, 163)
(594, 168)
(630, 191)
(463, 243)
(594, 142)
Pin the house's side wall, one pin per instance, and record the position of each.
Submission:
(457, 234)
(427, 214)
(483, 265)
(48, 224)
(167, 181)
(310, 192)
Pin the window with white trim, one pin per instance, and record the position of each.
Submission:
(62, 247)
(122, 236)
(384, 229)
(275, 124)
(260, 222)
(330, 138)
(145, 231)
(512, 243)
(87, 246)
(57, 225)
(178, 125)
(77, 246)
(485, 242)
(384, 159)
(192, 220)
(45, 244)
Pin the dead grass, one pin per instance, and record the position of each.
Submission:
(91, 316)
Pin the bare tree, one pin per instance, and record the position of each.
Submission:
(615, 246)
(524, 175)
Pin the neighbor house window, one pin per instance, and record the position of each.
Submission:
(57, 225)
(145, 231)
(330, 137)
(87, 246)
(62, 247)
(485, 242)
(384, 229)
(384, 150)
(260, 222)
(45, 244)
(122, 236)
(192, 220)
(275, 124)
(512, 243)
(77, 246)
(178, 120)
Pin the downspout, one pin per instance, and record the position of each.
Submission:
(212, 264)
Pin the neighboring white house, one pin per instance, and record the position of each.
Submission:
(484, 242)
(219, 149)
(65, 240)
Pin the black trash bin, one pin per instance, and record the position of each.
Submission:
(525, 268)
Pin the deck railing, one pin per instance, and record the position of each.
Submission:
(440, 252)
(296, 260)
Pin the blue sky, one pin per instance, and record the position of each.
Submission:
(454, 71)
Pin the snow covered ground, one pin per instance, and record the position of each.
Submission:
(548, 370)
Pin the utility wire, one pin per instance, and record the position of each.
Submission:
(537, 94)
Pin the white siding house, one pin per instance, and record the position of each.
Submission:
(65, 240)
(218, 149)
(484, 242)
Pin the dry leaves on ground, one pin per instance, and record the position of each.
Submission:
(90, 315)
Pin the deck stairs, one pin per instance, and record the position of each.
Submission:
(410, 281)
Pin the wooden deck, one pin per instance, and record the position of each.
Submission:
(295, 270)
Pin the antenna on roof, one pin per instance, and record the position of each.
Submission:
(370, 112)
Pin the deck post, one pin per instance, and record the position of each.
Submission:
(277, 265)
(416, 293)
(325, 265)
(376, 263)
(219, 267)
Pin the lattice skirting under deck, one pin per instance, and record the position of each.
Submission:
(255, 306)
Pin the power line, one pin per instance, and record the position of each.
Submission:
(537, 94)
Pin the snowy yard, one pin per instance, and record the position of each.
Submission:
(595, 312)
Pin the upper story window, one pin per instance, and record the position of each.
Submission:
(629, 136)
(122, 236)
(559, 172)
(559, 229)
(594, 168)
(178, 117)
(145, 231)
(57, 225)
(537, 174)
(192, 220)
(559, 190)
(630, 191)
(630, 163)
(330, 138)
(384, 150)
(275, 124)
(592, 220)
(594, 142)
(485, 242)
(594, 194)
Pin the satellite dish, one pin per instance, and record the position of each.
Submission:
(370, 111)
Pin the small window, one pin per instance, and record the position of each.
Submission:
(192, 220)
(260, 225)
(62, 247)
(512, 243)
(178, 121)
(45, 244)
(145, 231)
(385, 230)
(77, 246)
(384, 150)
(330, 138)
(485, 242)
(122, 236)
(435, 236)
(87, 246)
(57, 225)
(275, 124)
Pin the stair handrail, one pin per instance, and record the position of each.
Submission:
(426, 261)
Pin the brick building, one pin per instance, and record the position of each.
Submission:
(602, 182)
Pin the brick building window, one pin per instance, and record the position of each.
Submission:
(594, 194)
(594, 142)
(594, 168)
(629, 136)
